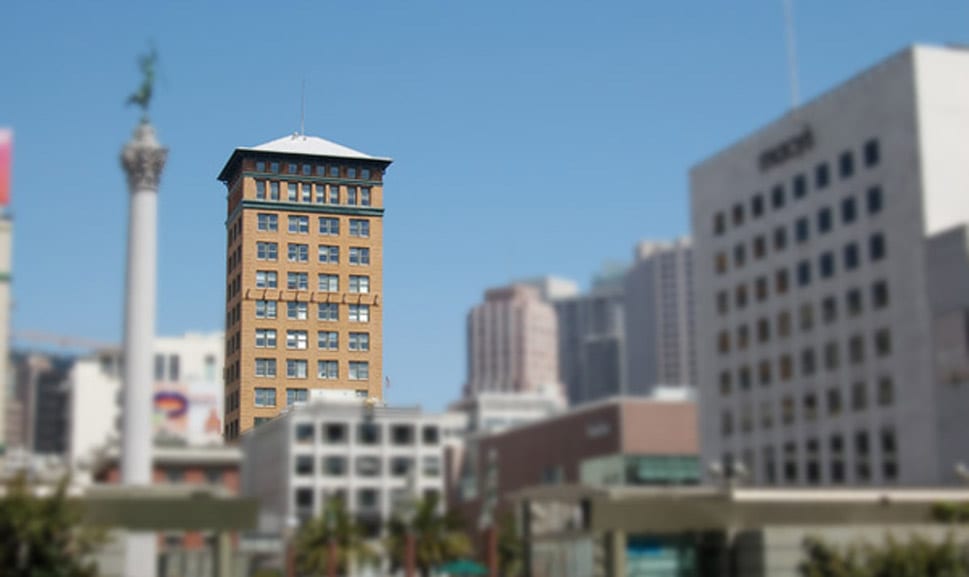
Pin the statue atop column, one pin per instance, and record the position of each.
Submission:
(142, 96)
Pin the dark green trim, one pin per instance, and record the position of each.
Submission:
(312, 178)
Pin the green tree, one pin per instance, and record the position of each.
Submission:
(510, 549)
(918, 557)
(313, 541)
(44, 536)
(438, 538)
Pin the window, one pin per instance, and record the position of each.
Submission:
(851, 256)
(334, 192)
(359, 227)
(173, 368)
(266, 251)
(829, 310)
(757, 206)
(743, 337)
(359, 256)
(402, 435)
(334, 170)
(359, 284)
(328, 283)
(787, 410)
(739, 256)
(351, 195)
(297, 281)
(876, 247)
(265, 397)
(291, 194)
(260, 166)
(265, 338)
(297, 396)
(295, 369)
(879, 294)
(307, 170)
(359, 370)
(760, 246)
(726, 423)
(291, 168)
(328, 312)
(723, 302)
(329, 226)
(763, 330)
(834, 401)
(335, 433)
(304, 465)
(267, 222)
(719, 224)
(810, 407)
(359, 313)
(764, 373)
(743, 376)
(723, 342)
(329, 254)
(886, 391)
(328, 340)
(883, 343)
(846, 164)
(822, 177)
(159, 367)
(261, 189)
(265, 309)
(856, 350)
(431, 465)
(760, 287)
(368, 467)
(804, 273)
(777, 196)
(334, 466)
(784, 324)
(849, 210)
(790, 462)
(359, 342)
(368, 433)
(889, 453)
(807, 317)
(296, 340)
(274, 167)
(299, 224)
(351, 172)
(365, 173)
(266, 279)
(726, 383)
(859, 396)
(875, 200)
(854, 304)
(740, 296)
(872, 153)
(327, 370)
(320, 194)
(298, 252)
(802, 230)
(738, 214)
(296, 311)
(364, 196)
(720, 262)
(832, 359)
(800, 186)
(780, 238)
(273, 190)
(807, 362)
(306, 192)
(826, 264)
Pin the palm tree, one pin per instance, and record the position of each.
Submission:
(510, 547)
(334, 531)
(438, 538)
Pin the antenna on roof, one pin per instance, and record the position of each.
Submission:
(302, 109)
(791, 51)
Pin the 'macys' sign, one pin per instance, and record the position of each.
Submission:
(790, 148)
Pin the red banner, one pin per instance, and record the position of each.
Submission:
(6, 151)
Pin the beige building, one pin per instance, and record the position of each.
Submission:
(303, 277)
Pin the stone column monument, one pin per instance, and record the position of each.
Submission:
(143, 159)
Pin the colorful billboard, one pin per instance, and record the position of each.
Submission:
(6, 155)
(191, 411)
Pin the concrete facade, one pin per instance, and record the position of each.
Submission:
(40, 392)
(304, 276)
(816, 350)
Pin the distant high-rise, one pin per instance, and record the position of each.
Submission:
(512, 343)
(659, 317)
(304, 276)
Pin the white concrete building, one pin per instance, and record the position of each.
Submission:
(817, 275)
(188, 394)
(367, 455)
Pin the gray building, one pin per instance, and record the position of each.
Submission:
(832, 282)
(659, 317)
(40, 399)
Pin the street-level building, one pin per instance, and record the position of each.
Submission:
(304, 276)
(828, 265)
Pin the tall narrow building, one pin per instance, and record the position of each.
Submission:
(303, 276)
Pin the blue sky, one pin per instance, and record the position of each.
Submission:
(528, 138)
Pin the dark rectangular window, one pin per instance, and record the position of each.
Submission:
(879, 294)
(829, 309)
(760, 246)
(849, 211)
(846, 164)
(777, 196)
(802, 230)
(723, 302)
(780, 281)
(757, 206)
(822, 176)
(780, 238)
(738, 214)
(824, 220)
(851, 256)
(739, 255)
(804, 273)
(719, 224)
(876, 247)
(872, 153)
(854, 302)
(826, 264)
(875, 200)
(800, 186)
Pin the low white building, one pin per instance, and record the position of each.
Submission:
(365, 454)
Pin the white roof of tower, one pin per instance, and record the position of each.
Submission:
(311, 145)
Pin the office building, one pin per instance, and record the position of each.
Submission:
(659, 317)
(40, 392)
(374, 458)
(825, 246)
(304, 276)
(512, 343)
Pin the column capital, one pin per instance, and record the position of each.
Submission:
(143, 159)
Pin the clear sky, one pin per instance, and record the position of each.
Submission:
(528, 138)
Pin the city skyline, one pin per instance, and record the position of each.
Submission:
(444, 108)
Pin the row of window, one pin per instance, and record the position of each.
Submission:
(802, 234)
(810, 458)
(758, 206)
(368, 433)
(829, 311)
(365, 466)
(299, 311)
(300, 224)
(325, 340)
(332, 170)
(326, 254)
(810, 407)
(810, 359)
(299, 369)
(304, 192)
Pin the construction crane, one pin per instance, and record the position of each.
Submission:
(62, 341)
